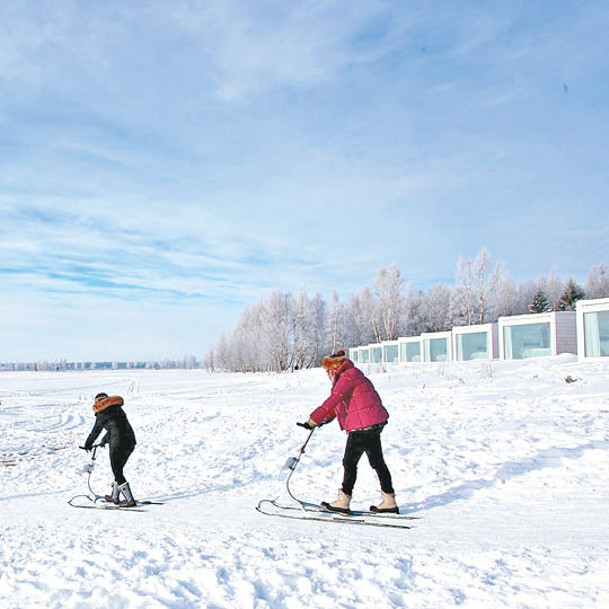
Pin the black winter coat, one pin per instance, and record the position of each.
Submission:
(119, 432)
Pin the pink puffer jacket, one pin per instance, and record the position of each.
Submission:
(353, 401)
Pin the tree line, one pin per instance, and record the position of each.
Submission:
(287, 331)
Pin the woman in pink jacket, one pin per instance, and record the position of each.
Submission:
(360, 412)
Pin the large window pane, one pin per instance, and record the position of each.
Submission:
(596, 334)
(410, 352)
(603, 326)
(376, 355)
(437, 349)
(473, 345)
(391, 353)
(530, 340)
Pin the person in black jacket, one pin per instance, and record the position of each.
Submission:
(109, 415)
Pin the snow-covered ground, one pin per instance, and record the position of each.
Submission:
(506, 463)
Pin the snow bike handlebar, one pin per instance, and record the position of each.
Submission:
(93, 497)
(292, 462)
(89, 467)
(93, 447)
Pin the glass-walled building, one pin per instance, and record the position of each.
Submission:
(386, 352)
(537, 335)
(475, 342)
(436, 346)
(376, 354)
(593, 328)
(391, 353)
(409, 349)
(517, 337)
(359, 355)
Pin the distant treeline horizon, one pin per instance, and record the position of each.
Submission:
(293, 331)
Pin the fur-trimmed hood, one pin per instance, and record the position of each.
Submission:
(331, 363)
(103, 403)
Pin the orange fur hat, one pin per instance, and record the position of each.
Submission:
(333, 362)
(102, 401)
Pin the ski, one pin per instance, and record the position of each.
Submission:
(108, 507)
(316, 508)
(100, 504)
(385, 515)
(321, 515)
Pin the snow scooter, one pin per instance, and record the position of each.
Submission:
(93, 501)
(298, 509)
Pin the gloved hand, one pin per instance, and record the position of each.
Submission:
(310, 424)
(87, 448)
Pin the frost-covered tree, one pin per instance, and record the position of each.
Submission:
(552, 287)
(208, 362)
(436, 307)
(383, 307)
(239, 351)
(359, 327)
(478, 280)
(318, 311)
(283, 331)
(309, 329)
(371, 309)
(278, 318)
(302, 329)
(457, 313)
(597, 283)
(465, 281)
(505, 298)
(391, 302)
(487, 278)
(222, 357)
(415, 317)
(337, 316)
(523, 296)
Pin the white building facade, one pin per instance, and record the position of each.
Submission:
(592, 328)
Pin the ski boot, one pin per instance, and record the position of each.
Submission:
(341, 505)
(129, 500)
(113, 496)
(387, 505)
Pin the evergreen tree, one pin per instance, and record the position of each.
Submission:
(539, 303)
(571, 294)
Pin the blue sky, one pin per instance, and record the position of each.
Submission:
(165, 164)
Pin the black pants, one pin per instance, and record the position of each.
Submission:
(118, 457)
(366, 441)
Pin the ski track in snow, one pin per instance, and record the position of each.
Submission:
(505, 462)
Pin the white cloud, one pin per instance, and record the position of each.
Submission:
(195, 154)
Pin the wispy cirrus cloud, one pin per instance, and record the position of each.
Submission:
(156, 161)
